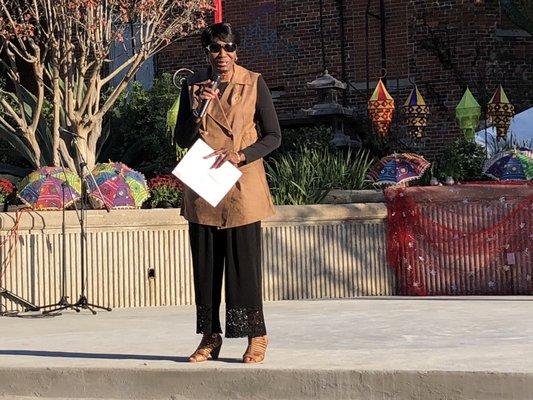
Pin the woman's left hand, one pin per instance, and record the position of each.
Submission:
(225, 155)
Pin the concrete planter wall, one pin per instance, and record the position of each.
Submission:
(139, 258)
(354, 196)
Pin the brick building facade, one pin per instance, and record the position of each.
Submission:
(443, 45)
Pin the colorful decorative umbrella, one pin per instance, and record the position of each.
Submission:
(501, 112)
(42, 190)
(121, 187)
(514, 164)
(398, 168)
(381, 109)
(415, 113)
(468, 112)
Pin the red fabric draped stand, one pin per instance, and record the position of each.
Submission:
(465, 239)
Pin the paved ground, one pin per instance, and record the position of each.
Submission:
(368, 348)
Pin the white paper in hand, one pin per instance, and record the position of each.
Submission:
(212, 184)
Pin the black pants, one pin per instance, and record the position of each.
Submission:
(237, 251)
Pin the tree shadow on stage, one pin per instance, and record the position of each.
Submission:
(106, 356)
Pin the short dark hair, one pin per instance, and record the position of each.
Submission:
(221, 31)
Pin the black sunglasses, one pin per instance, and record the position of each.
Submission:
(216, 47)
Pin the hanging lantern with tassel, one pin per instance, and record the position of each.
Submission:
(501, 112)
(415, 112)
(381, 109)
(467, 113)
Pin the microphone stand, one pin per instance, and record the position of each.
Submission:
(83, 302)
(63, 302)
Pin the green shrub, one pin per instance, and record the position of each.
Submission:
(293, 140)
(138, 135)
(307, 176)
(463, 160)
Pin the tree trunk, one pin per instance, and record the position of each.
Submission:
(92, 142)
(34, 146)
(84, 146)
(65, 150)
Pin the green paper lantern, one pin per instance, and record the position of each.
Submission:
(172, 115)
(467, 113)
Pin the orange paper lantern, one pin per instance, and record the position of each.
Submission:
(381, 109)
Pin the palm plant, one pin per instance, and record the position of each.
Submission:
(307, 176)
(510, 142)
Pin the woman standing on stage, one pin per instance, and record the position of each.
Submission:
(227, 238)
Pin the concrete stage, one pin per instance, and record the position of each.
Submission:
(366, 348)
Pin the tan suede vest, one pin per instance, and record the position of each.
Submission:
(229, 123)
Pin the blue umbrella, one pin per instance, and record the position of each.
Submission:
(514, 164)
(398, 168)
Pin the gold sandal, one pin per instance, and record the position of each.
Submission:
(255, 352)
(208, 349)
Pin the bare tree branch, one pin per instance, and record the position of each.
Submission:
(119, 69)
(69, 43)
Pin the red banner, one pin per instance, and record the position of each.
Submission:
(218, 11)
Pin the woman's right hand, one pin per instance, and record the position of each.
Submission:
(207, 92)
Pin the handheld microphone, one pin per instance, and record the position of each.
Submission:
(201, 112)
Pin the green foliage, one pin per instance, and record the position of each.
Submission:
(9, 134)
(295, 139)
(463, 160)
(139, 135)
(307, 175)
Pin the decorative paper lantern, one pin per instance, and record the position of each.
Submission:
(381, 109)
(415, 113)
(501, 112)
(468, 112)
(172, 115)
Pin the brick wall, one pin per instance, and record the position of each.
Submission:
(443, 45)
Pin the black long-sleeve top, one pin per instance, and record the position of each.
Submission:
(186, 131)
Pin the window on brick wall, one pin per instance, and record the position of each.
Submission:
(515, 18)
(122, 51)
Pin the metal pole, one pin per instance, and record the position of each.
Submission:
(367, 56)
(343, 49)
(83, 242)
(321, 10)
(383, 41)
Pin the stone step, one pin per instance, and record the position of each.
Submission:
(261, 383)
